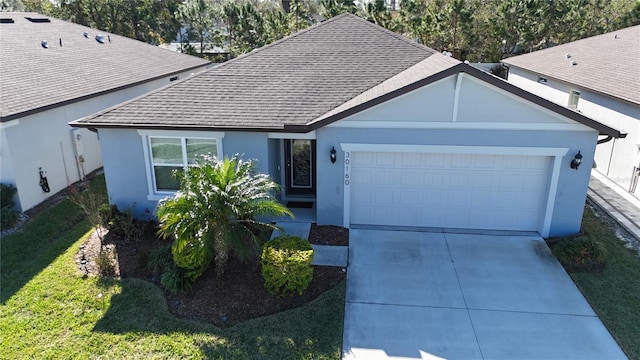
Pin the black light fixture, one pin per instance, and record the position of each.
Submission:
(577, 160)
(332, 155)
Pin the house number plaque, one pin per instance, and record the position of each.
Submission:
(347, 161)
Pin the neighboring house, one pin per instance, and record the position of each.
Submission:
(371, 127)
(54, 72)
(600, 78)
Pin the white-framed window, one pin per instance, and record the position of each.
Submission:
(574, 97)
(168, 151)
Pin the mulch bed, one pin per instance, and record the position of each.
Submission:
(238, 296)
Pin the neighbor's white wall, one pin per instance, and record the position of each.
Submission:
(614, 159)
(44, 140)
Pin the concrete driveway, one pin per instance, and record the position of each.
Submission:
(421, 295)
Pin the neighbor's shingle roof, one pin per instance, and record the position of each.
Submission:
(33, 78)
(608, 63)
(291, 82)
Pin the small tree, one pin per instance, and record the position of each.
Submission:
(215, 212)
(90, 202)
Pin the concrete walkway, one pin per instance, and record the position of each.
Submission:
(419, 295)
(323, 255)
(623, 207)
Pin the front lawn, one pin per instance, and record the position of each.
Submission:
(49, 310)
(614, 293)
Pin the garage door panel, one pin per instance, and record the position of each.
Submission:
(448, 190)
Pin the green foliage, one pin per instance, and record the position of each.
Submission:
(107, 213)
(286, 265)
(176, 279)
(7, 192)
(214, 213)
(8, 216)
(580, 253)
(160, 259)
(105, 263)
(126, 225)
(90, 201)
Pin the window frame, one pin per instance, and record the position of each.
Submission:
(154, 193)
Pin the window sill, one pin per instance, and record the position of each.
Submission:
(158, 197)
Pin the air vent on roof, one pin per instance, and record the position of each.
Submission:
(38, 20)
(44, 44)
(85, 34)
(6, 21)
(567, 56)
(100, 39)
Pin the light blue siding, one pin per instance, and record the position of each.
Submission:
(125, 167)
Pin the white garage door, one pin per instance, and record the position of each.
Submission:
(467, 191)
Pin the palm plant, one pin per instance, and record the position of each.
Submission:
(215, 212)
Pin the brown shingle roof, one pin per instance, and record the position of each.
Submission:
(34, 78)
(290, 82)
(608, 63)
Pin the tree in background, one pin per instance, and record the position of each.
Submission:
(477, 30)
(332, 8)
(200, 19)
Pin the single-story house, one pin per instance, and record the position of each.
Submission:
(372, 128)
(598, 77)
(53, 72)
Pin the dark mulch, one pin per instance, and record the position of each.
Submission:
(329, 235)
(238, 296)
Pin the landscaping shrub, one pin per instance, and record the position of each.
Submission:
(107, 213)
(160, 259)
(123, 223)
(105, 263)
(8, 216)
(126, 225)
(580, 254)
(286, 265)
(175, 279)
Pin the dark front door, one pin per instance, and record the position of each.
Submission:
(300, 160)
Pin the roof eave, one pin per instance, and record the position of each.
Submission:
(550, 76)
(22, 114)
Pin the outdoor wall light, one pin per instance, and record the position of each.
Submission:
(332, 155)
(577, 160)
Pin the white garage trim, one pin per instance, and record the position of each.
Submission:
(556, 153)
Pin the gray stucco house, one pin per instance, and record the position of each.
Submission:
(53, 72)
(420, 139)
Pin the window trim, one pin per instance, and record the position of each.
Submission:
(145, 135)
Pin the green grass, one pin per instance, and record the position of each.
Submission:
(49, 310)
(614, 293)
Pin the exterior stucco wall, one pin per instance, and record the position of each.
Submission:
(45, 140)
(125, 166)
(572, 185)
(615, 159)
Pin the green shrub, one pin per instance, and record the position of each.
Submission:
(160, 259)
(105, 263)
(286, 265)
(175, 279)
(8, 216)
(7, 192)
(107, 213)
(580, 254)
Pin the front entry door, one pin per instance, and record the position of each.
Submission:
(300, 160)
